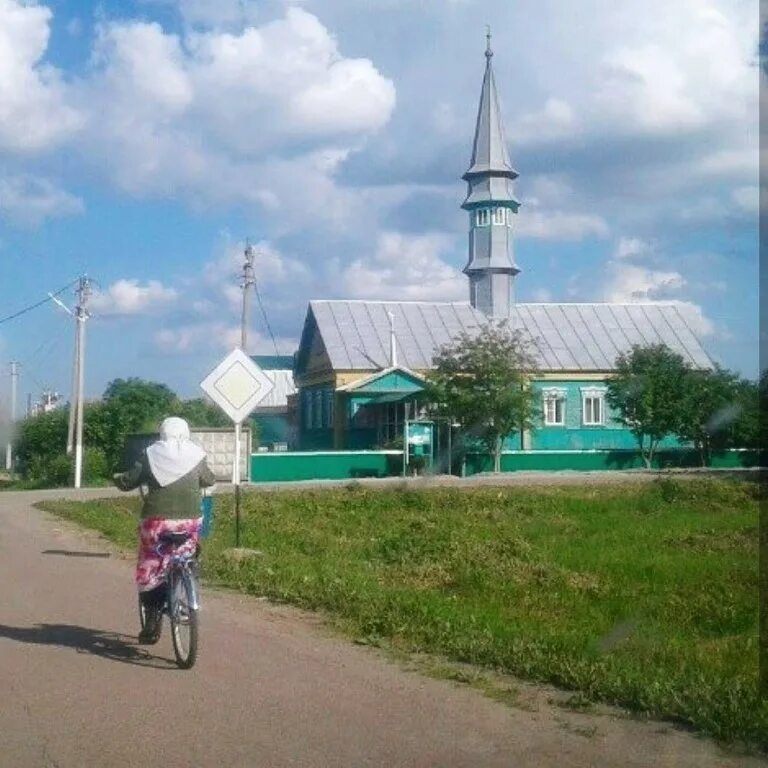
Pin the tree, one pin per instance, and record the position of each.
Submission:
(481, 381)
(129, 406)
(710, 409)
(141, 404)
(647, 394)
(40, 448)
(762, 415)
(199, 413)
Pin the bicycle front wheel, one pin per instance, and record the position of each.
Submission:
(142, 614)
(184, 618)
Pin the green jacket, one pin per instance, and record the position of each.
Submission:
(178, 501)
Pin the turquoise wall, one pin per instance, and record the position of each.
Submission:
(574, 435)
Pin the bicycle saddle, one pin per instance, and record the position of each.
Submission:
(170, 537)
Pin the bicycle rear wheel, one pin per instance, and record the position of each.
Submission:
(184, 618)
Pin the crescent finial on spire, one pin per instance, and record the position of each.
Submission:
(488, 51)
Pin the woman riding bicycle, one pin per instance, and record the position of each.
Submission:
(174, 469)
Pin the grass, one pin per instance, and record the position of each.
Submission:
(643, 596)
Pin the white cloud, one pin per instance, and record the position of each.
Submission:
(661, 76)
(628, 279)
(634, 248)
(554, 120)
(34, 114)
(213, 115)
(558, 225)
(217, 336)
(271, 268)
(633, 283)
(28, 200)
(130, 297)
(409, 268)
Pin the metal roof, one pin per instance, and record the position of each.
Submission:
(566, 337)
(489, 149)
(284, 386)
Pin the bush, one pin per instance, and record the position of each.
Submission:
(49, 470)
(95, 466)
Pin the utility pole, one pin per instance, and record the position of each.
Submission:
(12, 419)
(247, 281)
(73, 388)
(81, 315)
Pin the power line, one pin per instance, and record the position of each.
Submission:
(35, 306)
(263, 312)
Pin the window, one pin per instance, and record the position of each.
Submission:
(307, 395)
(391, 419)
(317, 409)
(498, 215)
(554, 407)
(510, 214)
(593, 406)
(482, 217)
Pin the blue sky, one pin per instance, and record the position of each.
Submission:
(142, 142)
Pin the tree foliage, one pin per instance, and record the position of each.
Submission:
(128, 406)
(481, 381)
(708, 410)
(199, 413)
(646, 394)
(655, 393)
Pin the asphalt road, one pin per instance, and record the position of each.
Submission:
(272, 686)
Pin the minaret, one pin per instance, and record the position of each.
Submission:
(491, 205)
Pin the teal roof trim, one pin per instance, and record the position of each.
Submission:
(397, 381)
(274, 362)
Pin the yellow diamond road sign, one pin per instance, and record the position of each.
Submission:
(237, 385)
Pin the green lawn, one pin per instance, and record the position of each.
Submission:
(641, 595)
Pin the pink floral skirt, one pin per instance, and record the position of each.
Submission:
(151, 566)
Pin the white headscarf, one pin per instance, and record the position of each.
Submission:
(174, 454)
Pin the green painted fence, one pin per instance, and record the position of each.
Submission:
(324, 465)
(348, 465)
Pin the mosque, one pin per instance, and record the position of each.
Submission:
(359, 370)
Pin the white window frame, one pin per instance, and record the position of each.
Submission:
(510, 214)
(498, 216)
(592, 393)
(553, 394)
(482, 217)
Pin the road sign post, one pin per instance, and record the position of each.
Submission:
(237, 385)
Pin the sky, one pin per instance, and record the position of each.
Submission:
(142, 143)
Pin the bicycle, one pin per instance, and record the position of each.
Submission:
(182, 601)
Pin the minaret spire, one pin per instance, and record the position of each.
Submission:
(491, 205)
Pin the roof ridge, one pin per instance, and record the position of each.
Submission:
(670, 303)
(387, 301)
